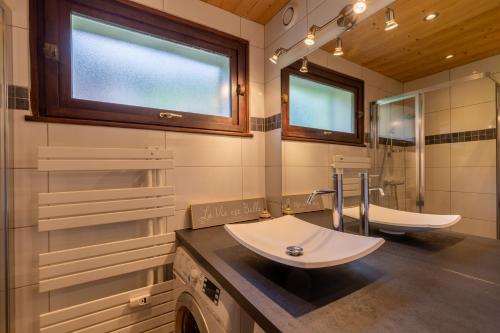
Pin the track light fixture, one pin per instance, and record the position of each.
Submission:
(311, 35)
(390, 20)
(338, 48)
(304, 68)
(359, 6)
(278, 53)
(345, 19)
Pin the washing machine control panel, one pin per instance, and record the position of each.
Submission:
(190, 273)
(211, 290)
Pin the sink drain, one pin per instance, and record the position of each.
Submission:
(294, 251)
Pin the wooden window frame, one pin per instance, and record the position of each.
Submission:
(332, 78)
(50, 22)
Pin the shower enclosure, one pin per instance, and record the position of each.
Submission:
(397, 152)
(3, 179)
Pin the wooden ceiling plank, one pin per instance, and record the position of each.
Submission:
(468, 28)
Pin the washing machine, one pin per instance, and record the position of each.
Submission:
(202, 305)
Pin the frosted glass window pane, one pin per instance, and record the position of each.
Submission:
(116, 65)
(320, 106)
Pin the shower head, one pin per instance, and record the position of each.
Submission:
(347, 18)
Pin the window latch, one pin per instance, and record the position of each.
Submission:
(51, 51)
(169, 115)
(240, 90)
(284, 98)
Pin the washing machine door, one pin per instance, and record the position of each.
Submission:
(188, 316)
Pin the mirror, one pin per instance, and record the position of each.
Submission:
(429, 102)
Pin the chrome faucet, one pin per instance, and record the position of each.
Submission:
(337, 201)
(364, 204)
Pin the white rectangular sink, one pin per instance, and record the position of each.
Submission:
(322, 247)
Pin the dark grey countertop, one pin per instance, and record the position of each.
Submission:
(422, 282)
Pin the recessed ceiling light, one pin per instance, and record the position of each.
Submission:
(449, 56)
(431, 16)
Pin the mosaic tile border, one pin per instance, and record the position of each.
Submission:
(18, 98)
(466, 136)
(265, 124)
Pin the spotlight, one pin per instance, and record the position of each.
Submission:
(280, 51)
(390, 21)
(359, 6)
(305, 63)
(311, 35)
(431, 16)
(338, 48)
(449, 56)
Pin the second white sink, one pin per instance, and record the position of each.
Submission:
(322, 247)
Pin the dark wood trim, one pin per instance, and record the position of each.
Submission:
(332, 78)
(344, 143)
(51, 80)
(73, 121)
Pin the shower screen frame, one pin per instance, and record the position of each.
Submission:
(419, 138)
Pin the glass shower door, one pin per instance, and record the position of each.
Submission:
(396, 127)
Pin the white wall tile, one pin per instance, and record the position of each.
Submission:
(274, 183)
(473, 153)
(305, 179)
(273, 97)
(27, 184)
(181, 220)
(204, 150)
(437, 179)
(298, 153)
(254, 182)
(19, 10)
(274, 148)
(253, 32)
(28, 243)
(312, 4)
(480, 228)
(256, 64)
(20, 56)
(437, 100)
(473, 117)
(157, 4)
(437, 155)
(27, 304)
(437, 122)
(427, 81)
(319, 57)
(344, 66)
(28, 136)
(472, 92)
(274, 28)
(437, 202)
(491, 64)
(101, 136)
(474, 205)
(257, 100)
(253, 150)
(474, 179)
(195, 185)
(205, 14)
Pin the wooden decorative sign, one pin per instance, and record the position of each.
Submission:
(218, 213)
(293, 204)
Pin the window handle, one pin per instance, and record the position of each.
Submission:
(170, 115)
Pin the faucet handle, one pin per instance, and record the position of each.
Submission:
(377, 188)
